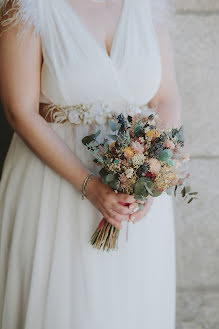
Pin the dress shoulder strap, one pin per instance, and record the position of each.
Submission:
(24, 12)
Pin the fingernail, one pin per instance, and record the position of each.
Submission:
(131, 207)
(136, 209)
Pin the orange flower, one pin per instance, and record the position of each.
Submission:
(128, 152)
(112, 145)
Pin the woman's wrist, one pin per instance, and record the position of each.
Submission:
(85, 185)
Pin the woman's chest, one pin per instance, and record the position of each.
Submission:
(81, 65)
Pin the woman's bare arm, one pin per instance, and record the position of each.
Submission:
(20, 64)
(168, 97)
(20, 67)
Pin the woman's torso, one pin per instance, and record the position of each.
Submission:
(77, 69)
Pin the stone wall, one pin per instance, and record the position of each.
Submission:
(196, 41)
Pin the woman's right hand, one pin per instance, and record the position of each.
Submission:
(108, 202)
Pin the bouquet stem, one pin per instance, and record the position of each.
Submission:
(106, 235)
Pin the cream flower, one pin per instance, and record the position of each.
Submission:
(74, 117)
(129, 172)
(155, 166)
(186, 158)
(138, 159)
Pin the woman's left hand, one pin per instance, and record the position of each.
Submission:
(138, 215)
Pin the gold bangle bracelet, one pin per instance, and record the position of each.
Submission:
(84, 186)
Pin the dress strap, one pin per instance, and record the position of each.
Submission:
(13, 12)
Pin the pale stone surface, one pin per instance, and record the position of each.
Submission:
(198, 310)
(197, 228)
(196, 44)
(197, 5)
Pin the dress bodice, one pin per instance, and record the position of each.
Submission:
(76, 69)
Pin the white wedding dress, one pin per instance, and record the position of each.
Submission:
(50, 276)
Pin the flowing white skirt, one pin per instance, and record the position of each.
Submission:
(50, 276)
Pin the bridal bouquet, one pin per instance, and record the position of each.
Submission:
(139, 159)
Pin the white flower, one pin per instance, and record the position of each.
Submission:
(138, 159)
(74, 117)
(96, 109)
(88, 118)
(129, 172)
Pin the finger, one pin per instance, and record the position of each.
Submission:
(124, 210)
(121, 197)
(118, 217)
(141, 214)
(133, 207)
(113, 222)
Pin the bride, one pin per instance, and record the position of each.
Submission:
(66, 53)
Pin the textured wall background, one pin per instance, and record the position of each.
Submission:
(196, 39)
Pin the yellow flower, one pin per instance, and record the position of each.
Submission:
(128, 152)
(153, 133)
(112, 145)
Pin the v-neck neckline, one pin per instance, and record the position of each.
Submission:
(92, 37)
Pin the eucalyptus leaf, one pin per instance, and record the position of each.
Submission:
(99, 158)
(109, 178)
(103, 172)
(171, 162)
(148, 189)
(137, 130)
(165, 155)
(183, 192)
(188, 189)
(88, 139)
(140, 189)
(112, 125)
(113, 184)
(113, 137)
(140, 198)
(180, 135)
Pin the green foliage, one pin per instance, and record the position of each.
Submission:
(113, 137)
(88, 139)
(143, 187)
(165, 155)
(171, 162)
(138, 129)
(114, 126)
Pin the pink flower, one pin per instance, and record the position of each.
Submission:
(137, 147)
(155, 166)
(170, 145)
(186, 157)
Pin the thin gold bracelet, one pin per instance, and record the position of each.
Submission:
(84, 186)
